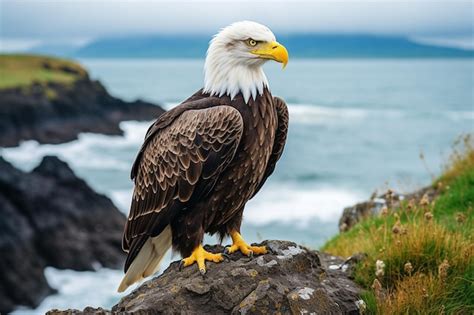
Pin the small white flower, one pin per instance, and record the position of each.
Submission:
(361, 305)
(379, 268)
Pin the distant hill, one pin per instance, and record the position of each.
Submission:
(147, 47)
(299, 45)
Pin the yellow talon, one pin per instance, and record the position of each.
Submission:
(200, 255)
(238, 243)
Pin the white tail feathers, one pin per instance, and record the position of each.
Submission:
(148, 259)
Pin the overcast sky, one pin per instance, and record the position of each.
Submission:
(86, 19)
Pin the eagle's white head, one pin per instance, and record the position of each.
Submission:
(235, 58)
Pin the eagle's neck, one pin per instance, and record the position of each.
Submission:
(224, 77)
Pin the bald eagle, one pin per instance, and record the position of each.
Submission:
(203, 160)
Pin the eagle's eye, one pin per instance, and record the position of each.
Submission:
(251, 42)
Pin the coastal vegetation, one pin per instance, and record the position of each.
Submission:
(19, 70)
(420, 256)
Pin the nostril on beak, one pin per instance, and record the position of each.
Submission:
(274, 47)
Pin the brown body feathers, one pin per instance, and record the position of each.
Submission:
(199, 165)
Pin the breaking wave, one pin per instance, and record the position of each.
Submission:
(74, 290)
(89, 151)
(296, 205)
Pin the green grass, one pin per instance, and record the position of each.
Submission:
(23, 70)
(427, 248)
(456, 203)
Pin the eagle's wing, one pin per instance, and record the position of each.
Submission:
(179, 162)
(280, 140)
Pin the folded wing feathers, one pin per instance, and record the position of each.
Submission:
(197, 145)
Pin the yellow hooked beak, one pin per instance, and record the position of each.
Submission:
(274, 51)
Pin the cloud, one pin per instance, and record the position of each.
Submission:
(89, 18)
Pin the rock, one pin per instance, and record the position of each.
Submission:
(86, 311)
(290, 279)
(56, 113)
(51, 218)
(354, 214)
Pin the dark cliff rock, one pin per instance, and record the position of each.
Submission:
(51, 218)
(56, 112)
(290, 279)
(354, 214)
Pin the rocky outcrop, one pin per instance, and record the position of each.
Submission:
(354, 214)
(57, 112)
(290, 279)
(49, 217)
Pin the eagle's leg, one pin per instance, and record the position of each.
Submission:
(238, 243)
(199, 256)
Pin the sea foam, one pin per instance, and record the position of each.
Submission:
(79, 289)
(91, 151)
(297, 205)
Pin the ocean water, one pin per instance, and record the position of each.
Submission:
(355, 126)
